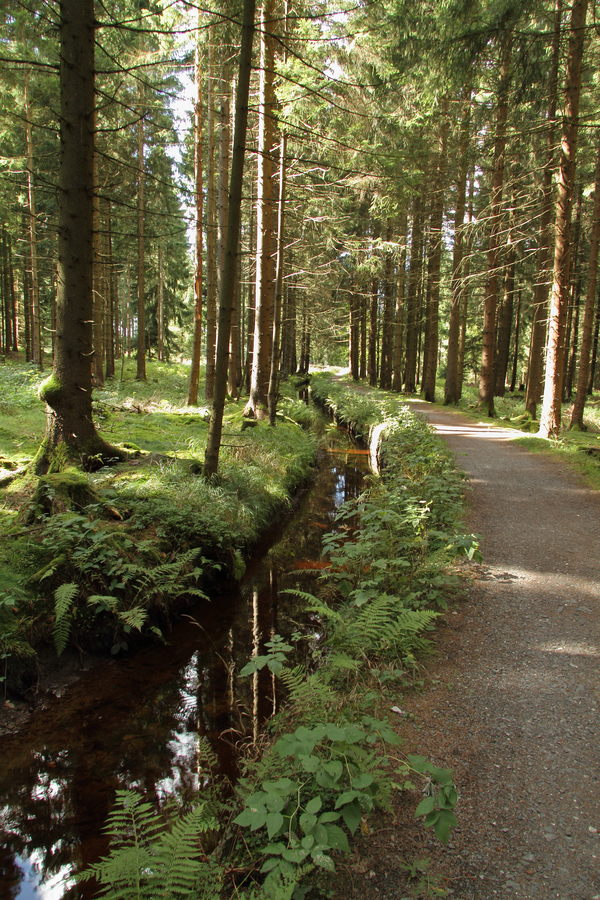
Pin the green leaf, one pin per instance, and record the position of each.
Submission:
(274, 802)
(307, 822)
(314, 805)
(346, 797)
(351, 814)
(425, 806)
(245, 818)
(362, 781)
(337, 838)
(444, 825)
(323, 861)
(273, 821)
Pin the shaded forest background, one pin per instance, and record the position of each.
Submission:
(418, 202)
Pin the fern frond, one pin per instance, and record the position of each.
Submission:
(134, 617)
(64, 597)
(147, 860)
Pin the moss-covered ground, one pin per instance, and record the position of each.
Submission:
(94, 564)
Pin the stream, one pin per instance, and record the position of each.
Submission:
(151, 721)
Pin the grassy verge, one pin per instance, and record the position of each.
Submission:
(331, 756)
(577, 450)
(146, 535)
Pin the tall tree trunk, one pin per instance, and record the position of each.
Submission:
(486, 376)
(68, 391)
(388, 311)
(398, 343)
(434, 265)
(362, 365)
(198, 186)
(211, 230)
(544, 254)
(111, 296)
(505, 313)
(13, 300)
(515, 365)
(257, 406)
(160, 305)
(572, 329)
(595, 342)
(466, 289)
(98, 276)
(141, 244)
(412, 300)
(451, 389)
(211, 458)
(583, 376)
(35, 326)
(234, 382)
(276, 344)
(354, 333)
(550, 418)
(373, 328)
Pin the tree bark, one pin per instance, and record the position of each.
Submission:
(198, 186)
(435, 260)
(583, 375)
(211, 458)
(486, 375)
(257, 406)
(412, 300)
(276, 344)
(505, 313)
(211, 231)
(68, 391)
(544, 254)
(111, 297)
(141, 244)
(451, 389)
(550, 418)
(35, 327)
(373, 329)
(398, 341)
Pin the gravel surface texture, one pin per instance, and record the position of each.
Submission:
(513, 692)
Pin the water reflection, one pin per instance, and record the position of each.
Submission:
(157, 720)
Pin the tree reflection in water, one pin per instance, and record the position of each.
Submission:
(143, 722)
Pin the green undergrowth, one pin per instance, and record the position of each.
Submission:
(93, 560)
(331, 756)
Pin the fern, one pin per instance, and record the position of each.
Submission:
(170, 578)
(148, 860)
(381, 627)
(64, 597)
(133, 618)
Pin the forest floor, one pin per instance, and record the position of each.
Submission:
(512, 695)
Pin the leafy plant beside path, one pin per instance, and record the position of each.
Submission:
(333, 756)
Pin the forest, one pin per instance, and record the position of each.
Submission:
(219, 229)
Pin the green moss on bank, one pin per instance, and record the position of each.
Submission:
(105, 550)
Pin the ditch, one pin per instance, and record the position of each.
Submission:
(151, 721)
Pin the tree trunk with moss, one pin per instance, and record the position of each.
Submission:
(68, 391)
(213, 444)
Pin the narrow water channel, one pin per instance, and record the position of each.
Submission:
(144, 722)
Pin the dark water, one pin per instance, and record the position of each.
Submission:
(151, 721)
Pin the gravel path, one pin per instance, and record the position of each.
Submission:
(514, 695)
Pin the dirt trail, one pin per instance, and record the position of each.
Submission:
(515, 709)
